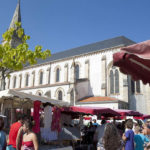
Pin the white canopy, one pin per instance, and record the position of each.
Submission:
(13, 94)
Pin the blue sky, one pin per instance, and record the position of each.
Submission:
(63, 24)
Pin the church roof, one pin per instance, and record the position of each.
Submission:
(98, 99)
(16, 16)
(117, 41)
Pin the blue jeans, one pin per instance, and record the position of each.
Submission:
(9, 147)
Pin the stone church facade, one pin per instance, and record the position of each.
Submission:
(83, 76)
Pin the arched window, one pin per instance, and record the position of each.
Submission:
(39, 94)
(132, 86)
(72, 95)
(60, 95)
(14, 82)
(27, 80)
(111, 82)
(77, 71)
(57, 75)
(138, 89)
(33, 78)
(20, 80)
(135, 87)
(116, 81)
(41, 77)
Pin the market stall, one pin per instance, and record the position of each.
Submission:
(72, 133)
(125, 112)
(107, 112)
(143, 117)
(11, 100)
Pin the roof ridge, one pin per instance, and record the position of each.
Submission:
(89, 48)
(94, 43)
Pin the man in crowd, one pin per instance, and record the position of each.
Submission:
(99, 134)
(14, 132)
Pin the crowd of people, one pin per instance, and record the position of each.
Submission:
(126, 135)
(20, 136)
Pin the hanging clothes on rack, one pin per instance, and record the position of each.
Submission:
(46, 132)
(56, 119)
(36, 116)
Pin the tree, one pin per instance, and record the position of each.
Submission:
(14, 59)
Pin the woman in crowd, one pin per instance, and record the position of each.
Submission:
(111, 139)
(2, 135)
(30, 141)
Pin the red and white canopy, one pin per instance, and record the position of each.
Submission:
(107, 112)
(124, 112)
(135, 61)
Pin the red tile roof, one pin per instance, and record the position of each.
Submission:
(98, 99)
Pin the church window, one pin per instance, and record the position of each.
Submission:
(138, 90)
(72, 95)
(111, 82)
(27, 80)
(135, 87)
(41, 77)
(33, 78)
(20, 80)
(116, 81)
(14, 82)
(60, 95)
(132, 86)
(77, 71)
(39, 94)
(57, 75)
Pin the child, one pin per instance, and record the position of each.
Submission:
(129, 135)
(139, 139)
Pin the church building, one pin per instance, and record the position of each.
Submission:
(82, 76)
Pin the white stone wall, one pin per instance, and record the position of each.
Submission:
(53, 91)
(82, 89)
(106, 105)
(92, 87)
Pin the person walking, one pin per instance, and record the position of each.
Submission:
(29, 141)
(14, 132)
(2, 135)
